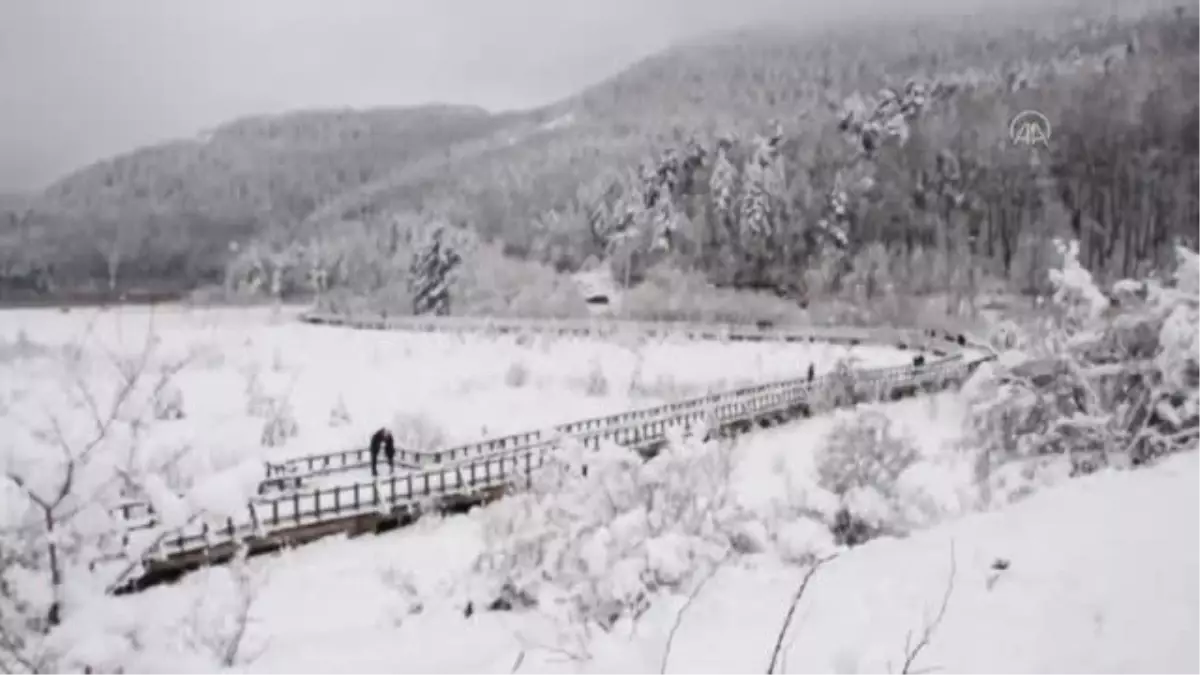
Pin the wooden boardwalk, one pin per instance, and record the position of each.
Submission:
(288, 511)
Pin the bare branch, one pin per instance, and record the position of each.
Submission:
(248, 594)
(518, 662)
(912, 652)
(136, 560)
(223, 642)
(564, 653)
(682, 610)
(787, 620)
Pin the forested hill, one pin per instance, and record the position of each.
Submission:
(171, 211)
(1121, 174)
(731, 84)
(553, 184)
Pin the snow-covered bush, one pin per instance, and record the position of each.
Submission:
(339, 414)
(1111, 383)
(838, 387)
(517, 375)
(594, 546)
(280, 423)
(804, 539)
(258, 402)
(74, 460)
(860, 463)
(1075, 293)
(596, 382)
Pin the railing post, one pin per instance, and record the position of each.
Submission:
(753, 403)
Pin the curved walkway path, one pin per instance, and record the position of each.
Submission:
(291, 510)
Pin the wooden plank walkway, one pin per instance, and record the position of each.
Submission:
(462, 476)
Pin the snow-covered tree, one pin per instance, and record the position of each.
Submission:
(75, 476)
(1105, 384)
(429, 274)
(723, 183)
(592, 547)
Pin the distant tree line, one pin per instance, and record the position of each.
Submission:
(861, 161)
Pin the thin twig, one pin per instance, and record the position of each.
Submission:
(911, 654)
(518, 662)
(682, 610)
(787, 619)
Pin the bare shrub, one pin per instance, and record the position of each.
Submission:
(258, 403)
(339, 415)
(596, 382)
(280, 424)
(517, 375)
(860, 463)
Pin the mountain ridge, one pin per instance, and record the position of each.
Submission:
(175, 209)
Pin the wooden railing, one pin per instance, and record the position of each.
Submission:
(468, 469)
(292, 472)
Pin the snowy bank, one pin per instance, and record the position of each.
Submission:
(1100, 576)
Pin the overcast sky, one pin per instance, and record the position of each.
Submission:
(83, 79)
(88, 78)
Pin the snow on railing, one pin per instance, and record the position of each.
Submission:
(466, 470)
(292, 471)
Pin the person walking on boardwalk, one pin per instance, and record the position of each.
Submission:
(382, 440)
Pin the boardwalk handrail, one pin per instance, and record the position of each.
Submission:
(357, 458)
(508, 460)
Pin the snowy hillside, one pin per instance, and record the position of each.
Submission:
(1097, 574)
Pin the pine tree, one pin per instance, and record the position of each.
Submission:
(429, 275)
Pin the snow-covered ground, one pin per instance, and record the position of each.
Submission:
(435, 389)
(1100, 576)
